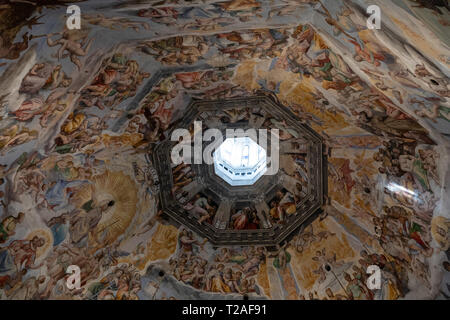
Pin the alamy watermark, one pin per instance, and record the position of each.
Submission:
(374, 21)
(73, 22)
(74, 280)
(374, 280)
(192, 152)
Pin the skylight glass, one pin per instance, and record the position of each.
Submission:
(240, 161)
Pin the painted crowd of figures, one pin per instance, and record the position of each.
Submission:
(82, 110)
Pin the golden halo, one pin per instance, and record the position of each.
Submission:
(440, 227)
(108, 186)
(44, 234)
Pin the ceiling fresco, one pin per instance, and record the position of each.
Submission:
(86, 115)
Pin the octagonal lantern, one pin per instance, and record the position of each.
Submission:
(240, 161)
(233, 200)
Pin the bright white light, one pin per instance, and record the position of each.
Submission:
(396, 188)
(240, 161)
